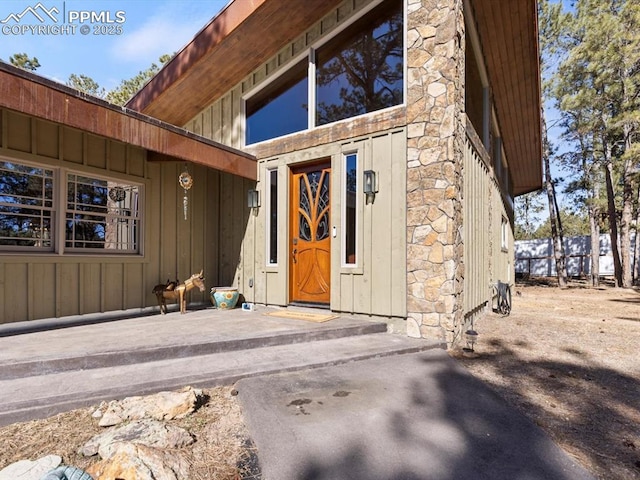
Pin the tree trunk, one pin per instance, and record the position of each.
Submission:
(626, 217)
(594, 224)
(593, 208)
(613, 221)
(625, 237)
(554, 213)
(636, 251)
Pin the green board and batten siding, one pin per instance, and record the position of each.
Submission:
(45, 285)
(487, 260)
(377, 286)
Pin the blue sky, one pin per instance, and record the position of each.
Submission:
(148, 30)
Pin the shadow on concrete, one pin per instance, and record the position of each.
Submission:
(449, 426)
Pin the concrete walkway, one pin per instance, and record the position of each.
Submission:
(335, 400)
(51, 369)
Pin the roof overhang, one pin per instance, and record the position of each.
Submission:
(231, 46)
(247, 32)
(39, 97)
(508, 33)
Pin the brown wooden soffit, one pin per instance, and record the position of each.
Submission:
(509, 36)
(42, 98)
(236, 42)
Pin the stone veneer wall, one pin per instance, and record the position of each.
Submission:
(435, 142)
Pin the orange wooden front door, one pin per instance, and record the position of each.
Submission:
(310, 235)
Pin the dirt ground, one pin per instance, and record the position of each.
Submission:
(568, 359)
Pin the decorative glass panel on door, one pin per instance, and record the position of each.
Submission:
(311, 237)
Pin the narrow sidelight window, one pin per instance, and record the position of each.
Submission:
(273, 217)
(349, 210)
(504, 233)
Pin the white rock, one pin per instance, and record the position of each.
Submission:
(144, 432)
(160, 406)
(30, 469)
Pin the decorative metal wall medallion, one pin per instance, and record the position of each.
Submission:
(117, 194)
(185, 181)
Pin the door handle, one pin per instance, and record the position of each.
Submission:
(295, 252)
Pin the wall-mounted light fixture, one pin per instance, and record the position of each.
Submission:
(370, 185)
(253, 199)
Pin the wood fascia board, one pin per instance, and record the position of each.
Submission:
(225, 53)
(38, 97)
(205, 41)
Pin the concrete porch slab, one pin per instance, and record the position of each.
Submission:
(49, 371)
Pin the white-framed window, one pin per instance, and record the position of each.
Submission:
(102, 214)
(27, 214)
(350, 208)
(358, 70)
(264, 110)
(504, 234)
(272, 217)
(63, 211)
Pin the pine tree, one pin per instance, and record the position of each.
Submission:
(127, 88)
(22, 60)
(86, 84)
(529, 206)
(552, 32)
(597, 88)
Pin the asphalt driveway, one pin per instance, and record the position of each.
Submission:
(412, 416)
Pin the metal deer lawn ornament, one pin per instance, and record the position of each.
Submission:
(177, 291)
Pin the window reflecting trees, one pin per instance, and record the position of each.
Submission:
(358, 71)
(98, 213)
(361, 70)
(26, 205)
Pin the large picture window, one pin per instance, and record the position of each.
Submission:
(281, 108)
(361, 70)
(94, 214)
(358, 71)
